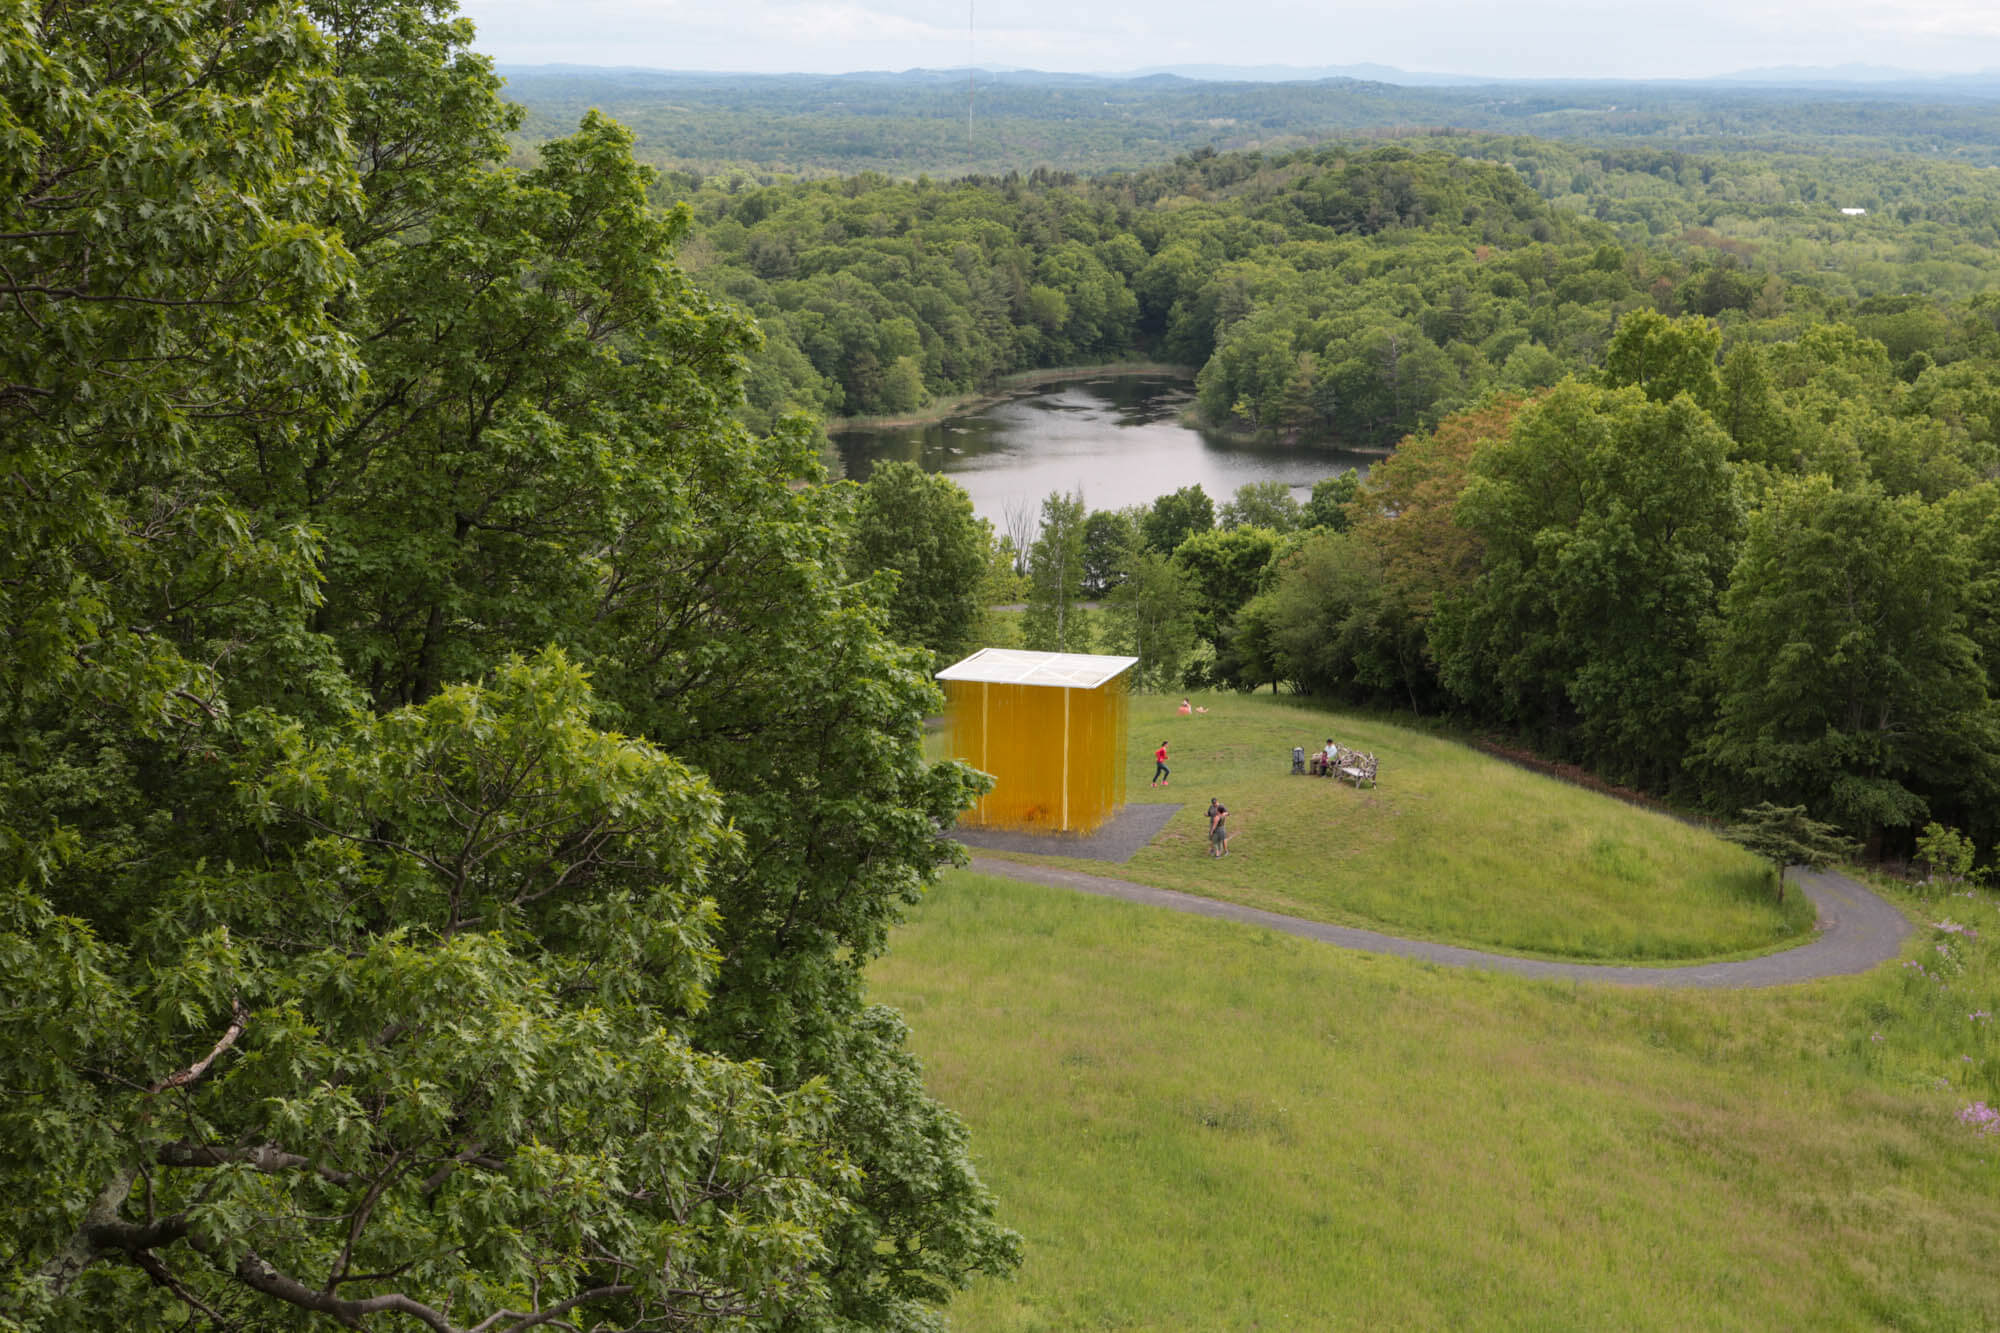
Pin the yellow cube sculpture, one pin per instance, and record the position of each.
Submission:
(1049, 727)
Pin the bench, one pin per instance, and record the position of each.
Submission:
(1355, 767)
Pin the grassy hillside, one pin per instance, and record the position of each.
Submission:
(1449, 845)
(1202, 1125)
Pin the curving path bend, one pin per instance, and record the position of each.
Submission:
(1858, 931)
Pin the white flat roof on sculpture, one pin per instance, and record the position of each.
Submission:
(1017, 666)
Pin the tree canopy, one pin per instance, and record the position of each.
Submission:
(919, 527)
(1055, 619)
(425, 895)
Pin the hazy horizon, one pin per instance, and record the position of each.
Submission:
(1833, 76)
(1533, 39)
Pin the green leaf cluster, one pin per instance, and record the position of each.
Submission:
(452, 783)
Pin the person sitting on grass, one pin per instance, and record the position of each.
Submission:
(1185, 710)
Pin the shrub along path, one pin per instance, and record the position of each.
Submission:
(1857, 931)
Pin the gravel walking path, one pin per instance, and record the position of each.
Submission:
(1119, 839)
(1858, 931)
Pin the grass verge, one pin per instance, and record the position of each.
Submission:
(1202, 1125)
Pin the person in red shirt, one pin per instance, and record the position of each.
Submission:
(1160, 765)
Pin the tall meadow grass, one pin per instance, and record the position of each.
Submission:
(1197, 1124)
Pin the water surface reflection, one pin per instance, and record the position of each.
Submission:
(1118, 438)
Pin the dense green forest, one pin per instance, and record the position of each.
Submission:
(1347, 294)
(1768, 578)
(878, 295)
(917, 122)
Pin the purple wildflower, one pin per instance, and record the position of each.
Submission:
(1981, 1117)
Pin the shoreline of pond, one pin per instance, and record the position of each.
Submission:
(1287, 440)
(1006, 387)
(1122, 439)
(1023, 382)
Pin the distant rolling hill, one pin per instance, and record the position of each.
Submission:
(949, 122)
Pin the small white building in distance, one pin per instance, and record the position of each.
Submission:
(1855, 212)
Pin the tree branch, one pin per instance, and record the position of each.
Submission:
(253, 1272)
(150, 1264)
(200, 1067)
(361, 1215)
(522, 1320)
(266, 1157)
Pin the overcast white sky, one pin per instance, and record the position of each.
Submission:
(1517, 38)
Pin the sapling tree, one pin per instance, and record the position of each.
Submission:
(1055, 620)
(1021, 520)
(1785, 836)
(1947, 854)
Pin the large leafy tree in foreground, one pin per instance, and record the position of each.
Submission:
(359, 961)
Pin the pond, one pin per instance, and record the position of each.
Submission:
(1118, 438)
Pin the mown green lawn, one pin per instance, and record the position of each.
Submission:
(1201, 1125)
(1449, 845)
